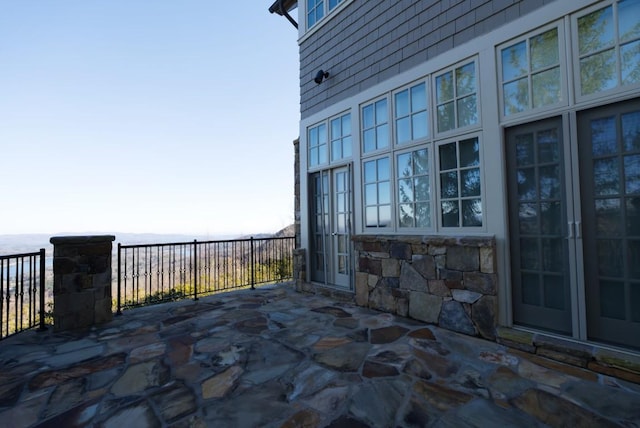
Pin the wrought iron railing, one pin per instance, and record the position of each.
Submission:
(22, 292)
(156, 273)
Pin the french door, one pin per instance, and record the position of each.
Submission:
(539, 230)
(331, 214)
(574, 225)
(609, 155)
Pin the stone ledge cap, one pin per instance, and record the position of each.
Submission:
(86, 239)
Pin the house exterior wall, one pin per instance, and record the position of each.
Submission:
(371, 41)
(375, 49)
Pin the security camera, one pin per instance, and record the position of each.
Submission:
(320, 75)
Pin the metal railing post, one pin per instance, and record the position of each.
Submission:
(119, 311)
(253, 273)
(195, 269)
(42, 290)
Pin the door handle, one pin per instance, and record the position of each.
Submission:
(570, 230)
(578, 229)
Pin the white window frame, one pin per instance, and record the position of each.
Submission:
(317, 147)
(619, 88)
(437, 184)
(307, 29)
(434, 91)
(388, 123)
(391, 226)
(427, 110)
(564, 97)
(396, 182)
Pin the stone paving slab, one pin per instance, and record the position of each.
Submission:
(273, 357)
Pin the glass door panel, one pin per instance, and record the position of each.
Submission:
(609, 155)
(538, 226)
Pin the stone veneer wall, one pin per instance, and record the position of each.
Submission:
(81, 281)
(447, 281)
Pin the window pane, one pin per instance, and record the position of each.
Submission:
(606, 177)
(527, 189)
(383, 169)
(608, 217)
(632, 174)
(469, 152)
(603, 135)
(405, 191)
(514, 61)
(631, 131)
(403, 130)
(313, 157)
(369, 138)
(444, 87)
(332, 4)
(449, 184)
(598, 72)
(550, 218)
(419, 125)
(552, 249)
(421, 187)
(516, 96)
(630, 66)
(370, 194)
(381, 111)
(346, 147)
(336, 150)
(423, 215)
(612, 300)
(402, 103)
(528, 218)
(322, 134)
(384, 219)
(544, 50)
(419, 97)
(382, 136)
(549, 182)
(406, 215)
(370, 172)
(530, 289)
(367, 116)
(554, 291)
(546, 87)
(450, 213)
(634, 254)
(322, 154)
(384, 193)
(633, 218)
(470, 182)
(371, 216)
(445, 117)
(595, 31)
(529, 250)
(524, 150)
(336, 132)
(467, 111)
(628, 13)
(448, 156)
(548, 146)
(466, 79)
(471, 213)
(404, 165)
(346, 124)
(421, 162)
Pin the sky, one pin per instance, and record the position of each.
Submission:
(146, 116)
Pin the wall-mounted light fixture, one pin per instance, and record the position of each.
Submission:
(320, 76)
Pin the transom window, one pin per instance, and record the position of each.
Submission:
(609, 47)
(460, 187)
(456, 98)
(531, 73)
(410, 114)
(318, 145)
(414, 190)
(377, 193)
(375, 126)
(341, 137)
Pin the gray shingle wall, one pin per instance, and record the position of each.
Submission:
(372, 40)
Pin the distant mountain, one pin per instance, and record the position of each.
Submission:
(28, 243)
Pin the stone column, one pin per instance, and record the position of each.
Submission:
(81, 281)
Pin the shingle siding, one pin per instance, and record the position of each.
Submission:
(370, 41)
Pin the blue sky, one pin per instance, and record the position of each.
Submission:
(158, 116)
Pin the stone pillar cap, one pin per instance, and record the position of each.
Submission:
(86, 239)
